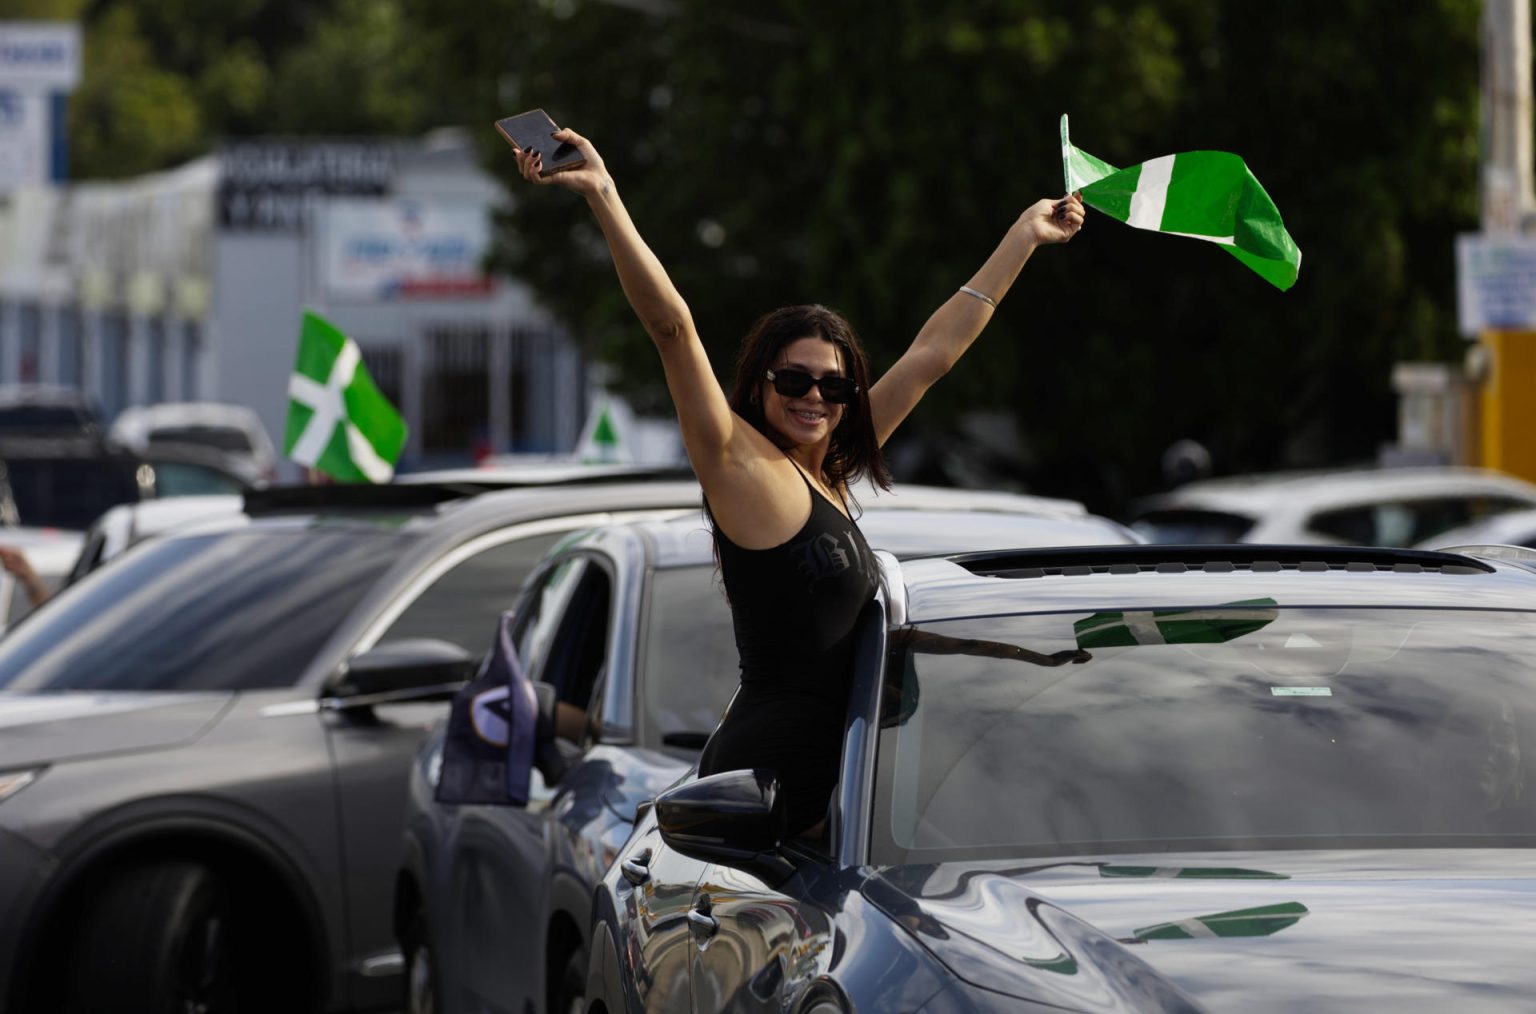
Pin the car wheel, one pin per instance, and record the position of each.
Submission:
(158, 939)
(420, 969)
(571, 988)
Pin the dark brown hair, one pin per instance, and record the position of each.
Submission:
(854, 452)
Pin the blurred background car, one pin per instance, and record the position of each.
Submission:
(47, 410)
(203, 771)
(234, 430)
(1363, 507)
(1270, 778)
(1512, 528)
(630, 624)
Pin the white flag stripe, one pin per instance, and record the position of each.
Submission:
(326, 402)
(1144, 628)
(1229, 240)
(366, 458)
(1151, 193)
(1195, 928)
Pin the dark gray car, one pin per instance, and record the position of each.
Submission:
(629, 623)
(203, 745)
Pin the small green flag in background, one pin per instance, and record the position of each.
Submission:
(1207, 195)
(338, 422)
(602, 441)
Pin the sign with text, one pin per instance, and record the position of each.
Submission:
(25, 139)
(1495, 283)
(40, 56)
(266, 185)
(389, 249)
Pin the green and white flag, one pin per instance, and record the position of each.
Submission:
(1244, 922)
(338, 422)
(1215, 625)
(1207, 195)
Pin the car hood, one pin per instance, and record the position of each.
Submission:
(1405, 930)
(45, 728)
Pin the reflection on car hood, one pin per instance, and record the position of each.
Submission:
(1398, 930)
(45, 728)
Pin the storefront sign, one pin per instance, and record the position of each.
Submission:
(268, 184)
(389, 249)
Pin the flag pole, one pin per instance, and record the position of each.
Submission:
(1066, 156)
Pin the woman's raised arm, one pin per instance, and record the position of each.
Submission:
(702, 410)
(954, 325)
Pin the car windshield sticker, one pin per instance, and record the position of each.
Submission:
(1301, 691)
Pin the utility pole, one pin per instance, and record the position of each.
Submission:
(1507, 199)
(1497, 270)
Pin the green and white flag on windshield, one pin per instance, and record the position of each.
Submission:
(338, 422)
(1207, 195)
(1216, 625)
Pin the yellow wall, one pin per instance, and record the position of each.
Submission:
(1509, 403)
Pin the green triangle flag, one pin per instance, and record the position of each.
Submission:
(338, 421)
(602, 443)
(1207, 195)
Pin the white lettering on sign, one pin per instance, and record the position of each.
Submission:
(1495, 282)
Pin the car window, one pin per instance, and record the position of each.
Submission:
(183, 478)
(463, 604)
(230, 611)
(1405, 522)
(688, 662)
(1188, 526)
(1241, 726)
(562, 636)
(222, 437)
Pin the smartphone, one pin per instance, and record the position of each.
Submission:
(533, 132)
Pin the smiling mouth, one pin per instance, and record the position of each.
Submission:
(809, 417)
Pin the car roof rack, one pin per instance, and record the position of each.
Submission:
(1171, 559)
(353, 495)
(406, 494)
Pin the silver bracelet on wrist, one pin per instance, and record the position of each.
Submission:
(979, 295)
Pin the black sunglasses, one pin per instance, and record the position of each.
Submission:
(795, 383)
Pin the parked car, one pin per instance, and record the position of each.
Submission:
(65, 482)
(203, 766)
(1277, 779)
(1365, 507)
(234, 430)
(1512, 528)
(629, 623)
(47, 410)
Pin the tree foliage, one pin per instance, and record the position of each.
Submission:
(868, 155)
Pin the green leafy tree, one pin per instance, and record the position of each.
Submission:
(868, 155)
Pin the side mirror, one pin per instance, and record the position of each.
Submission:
(420, 669)
(735, 818)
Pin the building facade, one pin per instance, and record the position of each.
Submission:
(189, 285)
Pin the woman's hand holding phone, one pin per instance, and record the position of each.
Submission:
(588, 179)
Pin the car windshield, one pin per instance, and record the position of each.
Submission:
(1241, 726)
(225, 438)
(230, 611)
(689, 666)
(1187, 525)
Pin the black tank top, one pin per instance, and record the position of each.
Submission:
(793, 607)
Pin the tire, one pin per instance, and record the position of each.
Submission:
(158, 939)
(570, 989)
(421, 983)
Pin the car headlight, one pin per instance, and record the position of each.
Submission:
(12, 782)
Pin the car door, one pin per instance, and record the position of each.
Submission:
(657, 925)
(459, 600)
(754, 946)
(504, 858)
